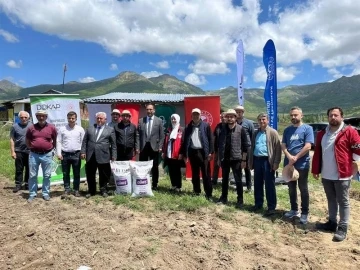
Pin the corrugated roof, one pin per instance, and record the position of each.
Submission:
(138, 97)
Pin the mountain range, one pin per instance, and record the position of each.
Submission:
(314, 98)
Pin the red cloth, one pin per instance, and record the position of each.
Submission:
(176, 145)
(42, 139)
(347, 142)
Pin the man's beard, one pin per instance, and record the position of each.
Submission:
(295, 121)
(334, 123)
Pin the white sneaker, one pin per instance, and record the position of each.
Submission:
(303, 219)
(291, 214)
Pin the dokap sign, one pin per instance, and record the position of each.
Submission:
(47, 107)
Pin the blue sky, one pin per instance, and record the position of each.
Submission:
(192, 40)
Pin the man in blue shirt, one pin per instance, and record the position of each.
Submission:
(296, 144)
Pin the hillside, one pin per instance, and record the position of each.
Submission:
(8, 88)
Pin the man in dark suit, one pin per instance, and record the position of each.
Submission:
(98, 141)
(150, 141)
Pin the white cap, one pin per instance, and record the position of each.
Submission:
(115, 111)
(196, 110)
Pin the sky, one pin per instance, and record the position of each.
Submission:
(193, 40)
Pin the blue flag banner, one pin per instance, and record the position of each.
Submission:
(240, 71)
(270, 93)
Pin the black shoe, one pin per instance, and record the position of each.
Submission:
(67, 192)
(209, 198)
(76, 193)
(87, 196)
(269, 213)
(16, 189)
(196, 194)
(340, 234)
(154, 188)
(104, 194)
(257, 208)
(26, 186)
(239, 205)
(222, 200)
(329, 226)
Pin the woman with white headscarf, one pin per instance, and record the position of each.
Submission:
(171, 155)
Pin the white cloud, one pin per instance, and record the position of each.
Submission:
(8, 36)
(181, 73)
(335, 73)
(87, 79)
(203, 67)
(125, 27)
(14, 64)
(284, 74)
(195, 79)
(162, 64)
(150, 74)
(113, 67)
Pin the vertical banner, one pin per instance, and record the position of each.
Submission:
(240, 71)
(57, 107)
(270, 93)
(210, 113)
(95, 108)
(132, 108)
(164, 112)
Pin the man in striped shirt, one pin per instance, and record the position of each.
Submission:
(68, 148)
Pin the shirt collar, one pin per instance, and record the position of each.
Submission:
(337, 131)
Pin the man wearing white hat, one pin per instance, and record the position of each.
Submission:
(198, 148)
(249, 128)
(233, 147)
(115, 118)
(41, 140)
(126, 134)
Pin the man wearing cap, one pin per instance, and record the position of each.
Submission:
(233, 145)
(334, 150)
(19, 150)
(98, 141)
(198, 148)
(126, 133)
(264, 159)
(115, 118)
(41, 140)
(151, 140)
(249, 128)
(68, 146)
(296, 144)
(217, 130)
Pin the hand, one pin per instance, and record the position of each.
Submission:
(160, 150)
(13, 155)
(292, 160)
(180, 157)
(316, 176)
(275, 167)
(60, 157)
(186, 160)
(162, 155)
(83, 156)
(113, 159)
(243, 164)
(209, 157)
(137, 151)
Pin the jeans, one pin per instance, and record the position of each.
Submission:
(35, 160)
(264, 173)
(71, 160)
(198, 163)
(21, 163)
(337, 194)
(235, 166)
(304, 192)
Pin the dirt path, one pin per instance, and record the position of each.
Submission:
(67, 234)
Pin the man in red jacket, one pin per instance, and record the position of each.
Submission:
(332, 158)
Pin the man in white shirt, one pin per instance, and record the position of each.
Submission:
(68, 148)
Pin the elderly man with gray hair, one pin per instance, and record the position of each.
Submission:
(264, 159)
(19, 150)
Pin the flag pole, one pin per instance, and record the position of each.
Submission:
(63, 84)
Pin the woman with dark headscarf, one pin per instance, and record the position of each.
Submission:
(171, 149)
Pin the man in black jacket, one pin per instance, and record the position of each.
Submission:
(217, 130)
(198, 148)
(233, 146)
(126, 133)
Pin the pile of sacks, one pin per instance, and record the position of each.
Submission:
(132, 177)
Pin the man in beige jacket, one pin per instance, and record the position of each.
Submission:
(264, 159)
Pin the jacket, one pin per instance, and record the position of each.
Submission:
(216, 136)
(239, 142)
(273, 147)
(347, 142)
(205, 136)
(157, 134)
(126, 135)
(176, 144)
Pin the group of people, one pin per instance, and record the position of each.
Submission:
(234, 145)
